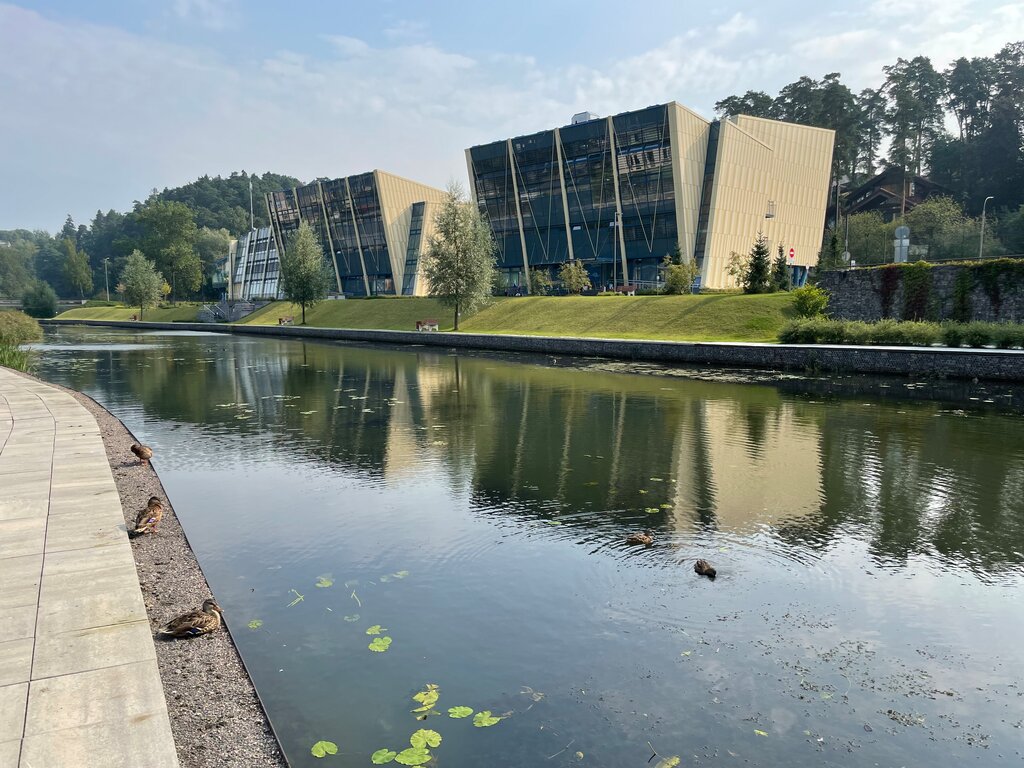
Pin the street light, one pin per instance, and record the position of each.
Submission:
(106, 282)
(981, 244)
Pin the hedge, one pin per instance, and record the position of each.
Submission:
(819, 330)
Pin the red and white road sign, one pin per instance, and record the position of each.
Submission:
(792, 253)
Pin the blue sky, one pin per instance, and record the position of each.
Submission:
(102, 101)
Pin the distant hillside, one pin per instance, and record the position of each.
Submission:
(223, 203)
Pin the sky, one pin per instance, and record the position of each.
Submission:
(101, 102)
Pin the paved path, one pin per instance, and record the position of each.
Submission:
(79, 684)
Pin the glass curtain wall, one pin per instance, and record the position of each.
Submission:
(370, 219)
(343, 233)
(257, 267)
(540, 198)
(590, 192)
(412, 253)
(643, 149)
(492, 184)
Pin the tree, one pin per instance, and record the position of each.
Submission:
(871, 109)
(16, 267)
(781, 278)
(830, 257)
(304, 278)
(40, 300)
(753, 103)
(77, 272)
(169, 235)
(737, 267)
(540, 282)
(758, 276)
(679, 274)
(460, 256)
(141, 282)
(211, 245)
(574, 277)
(914, 117)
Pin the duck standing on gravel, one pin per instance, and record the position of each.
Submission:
(144, 452)
(149, 518)
(194, 623)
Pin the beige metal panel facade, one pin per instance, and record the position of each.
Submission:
(689, 150)
(759, 161)
(430, 210)
(397, 195)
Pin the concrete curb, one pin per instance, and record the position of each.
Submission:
(943, 362)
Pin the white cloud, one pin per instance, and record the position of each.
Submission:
(214, 14)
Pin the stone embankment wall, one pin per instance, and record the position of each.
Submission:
(1000, 365)
(982, 290)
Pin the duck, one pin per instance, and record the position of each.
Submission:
(194, 623)
(144, 452)
(149, 518)
(704, 568)
(641, 537)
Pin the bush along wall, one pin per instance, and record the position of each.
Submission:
(991, 291)
(819, 330)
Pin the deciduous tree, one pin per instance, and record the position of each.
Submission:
(574, 277)
(141, 282)
(304, 278)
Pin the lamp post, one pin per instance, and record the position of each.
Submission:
(981, 243)
(106, 281)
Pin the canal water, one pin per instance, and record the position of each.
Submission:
(868, 608)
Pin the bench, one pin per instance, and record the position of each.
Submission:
(285, 320)
(426, 325)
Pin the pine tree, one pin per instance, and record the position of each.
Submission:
(758, 276)
(781, 279)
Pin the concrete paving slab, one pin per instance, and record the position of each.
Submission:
(16, 661)
(79, 683)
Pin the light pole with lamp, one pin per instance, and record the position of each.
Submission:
(981, 243)
(106, 280)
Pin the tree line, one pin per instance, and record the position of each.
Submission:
(902, 123)
(183, 231)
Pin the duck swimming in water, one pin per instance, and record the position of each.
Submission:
(640, 538)
(704, 568)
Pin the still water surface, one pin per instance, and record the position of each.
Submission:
(868, 609)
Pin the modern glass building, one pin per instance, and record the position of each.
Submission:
(373, 228)
(254, 266)
(620, 193)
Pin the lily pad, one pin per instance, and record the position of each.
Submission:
(324, 582)
(324, 748)
(413, 756)
(760, 733)
(485, 719)
(255, 624)
(460, 712)
(351, 617)
(425, 738)
(376, 629)
(382, 756)
(400, 574)
(668, 762)
(379, 645)
(427, 698)
(651, 510)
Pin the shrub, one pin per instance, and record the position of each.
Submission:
(40, 300)
(1006, 336)
(18, 328)
(810, 301)
(977, 334)
(12, 357)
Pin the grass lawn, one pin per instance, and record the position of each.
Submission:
(716, 317)
(181, 313)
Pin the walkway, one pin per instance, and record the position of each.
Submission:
(79, 684)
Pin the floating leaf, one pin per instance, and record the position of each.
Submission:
(579, 755)
(425, 738)
(553, 522)
(298, 598)
(413, 756)
(666, 506)
(380, 644)
(825, 695)
(592, 482)
(642, 491)
(760, 733)
(485, 719)
(382, 756)
(384, 579)
(668, 762)
(324, 581)
(657, 479)
(686, 653)
(651, 510)
(427, 698)
(351, 617)
(306, 413)
(400, 574)
(324, 748)
(376, 629)
(459, 712)
(255, 624)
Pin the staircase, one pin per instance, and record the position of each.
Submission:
(227, 311)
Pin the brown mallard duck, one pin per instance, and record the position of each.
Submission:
(641, 537)
(149, 518)
(194, 623)
(144, 452)
(704, 568)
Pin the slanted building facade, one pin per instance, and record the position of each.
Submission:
(620, 193)
(373, 228)
(254, 267)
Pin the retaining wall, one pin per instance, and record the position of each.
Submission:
(991, 291)
(1000, 365)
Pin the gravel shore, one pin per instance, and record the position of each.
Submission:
(216, 717)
